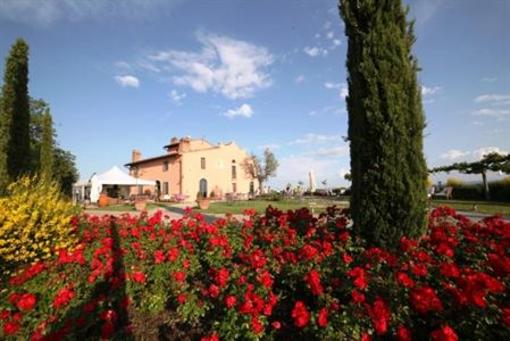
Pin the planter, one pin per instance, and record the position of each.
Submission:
(203, 203)
(103, 200)
(140, 204)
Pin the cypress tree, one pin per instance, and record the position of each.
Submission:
(15, 115)
(47, 146)
(386, 123)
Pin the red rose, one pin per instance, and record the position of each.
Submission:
(181, 298)
(322, 319)
(446, 333)
(107, 330)
(179, 276)
(138, 277)
(221, 277)
(173, 254)
(403, 334)
(265, 279)
(313, 280)
(214, 291)
(365, 337)
(357, 296)
(505, 317)
(26, 302)
(159, 257)
(380, 315)
(230, 301)
(64, 296)
(11, 328)
(359, 277)
(256, 325)
(425, 299)
(276, 325)
(212, 337)
(404, 279)
(300, 314)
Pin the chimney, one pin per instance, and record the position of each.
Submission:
(136, 155)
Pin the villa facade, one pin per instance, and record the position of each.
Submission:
(194, 166)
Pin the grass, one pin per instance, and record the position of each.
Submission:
(237, 207)
(487, 207)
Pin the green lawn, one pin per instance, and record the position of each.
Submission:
(237, 207)
(487, 207)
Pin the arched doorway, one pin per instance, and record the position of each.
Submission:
(203, 188)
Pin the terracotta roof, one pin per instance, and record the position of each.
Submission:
(152, 159)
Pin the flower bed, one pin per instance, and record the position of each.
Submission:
(276, 276)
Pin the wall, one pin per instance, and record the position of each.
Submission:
(218, 170)
(153, 170)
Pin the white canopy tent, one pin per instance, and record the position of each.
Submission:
(114, 176)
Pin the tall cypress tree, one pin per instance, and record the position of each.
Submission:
(15, 115)
(386, 122)
(47, 146)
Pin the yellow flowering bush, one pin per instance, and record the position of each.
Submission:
(35, 220)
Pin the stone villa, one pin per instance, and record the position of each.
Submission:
(194, 166)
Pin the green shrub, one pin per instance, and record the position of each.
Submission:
(499, 191)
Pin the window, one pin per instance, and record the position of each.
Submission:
(234, 172)
(165, 166)
(234, 187)
(165, 188)
(140, 189)
(202, 162)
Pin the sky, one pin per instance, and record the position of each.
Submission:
(120, 75)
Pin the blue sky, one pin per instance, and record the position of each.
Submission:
(132, 74)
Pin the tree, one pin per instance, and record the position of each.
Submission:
(262, 171)
(47, 147)
(490, 162)
(386, 123)
(15, 116)
(64, 168)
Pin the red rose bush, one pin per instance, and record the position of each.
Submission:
(273, 276)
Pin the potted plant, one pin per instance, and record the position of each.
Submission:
(203, 202)
(140, 203)
(103, 200)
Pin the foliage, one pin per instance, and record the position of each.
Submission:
(34, 220)
(386, 123)
(500, 190)
(262, 171)
(14, 116)
(490, 162)
(452, 182)
(47, 147)
(64, 165)
(273, 276)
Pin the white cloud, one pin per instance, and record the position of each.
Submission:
(480, 152)
(122, 65)
(336, 42)
(244, 110)
(127, 81)
(233, 68)
(477, 154)
(498, 113)
(426, 91)
(46, 12)
(177, 97)
(344, 89)
(492, 98)
(489, 79)
(315, 51)
(330, 35)
(299, 79)
(312, 138)
(271, 146)
(454, 154)
(332, 151)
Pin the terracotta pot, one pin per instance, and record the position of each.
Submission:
(140, 204)
(103, 200)
(203, 203)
